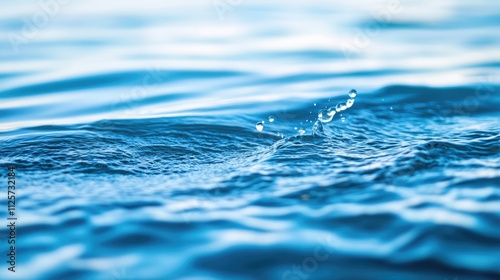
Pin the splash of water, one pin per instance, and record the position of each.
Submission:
(324, 115)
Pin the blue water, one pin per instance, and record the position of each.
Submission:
(132, 130)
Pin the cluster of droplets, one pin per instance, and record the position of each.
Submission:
(260, 126)
(326, 115)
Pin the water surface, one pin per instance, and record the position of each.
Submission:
(132, 128)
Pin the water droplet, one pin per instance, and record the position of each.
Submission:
(271, 119)
(324, 116)
(295, 128)
(349, 103)
(331, 111)
(343, 119)
(279, 134)
(302, 131)
(391, 107)
(314, 104)
(259, 126)
(353, 93)
(340, 107)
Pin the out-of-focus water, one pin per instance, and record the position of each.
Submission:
(132, 128)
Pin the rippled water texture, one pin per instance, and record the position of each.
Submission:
(133, 128)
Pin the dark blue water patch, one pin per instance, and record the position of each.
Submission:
(296, 78)
(91, 81)
(11, 75)
(303, 54)
(452, 23)
(492, 64)
(374, 24)
(451, 101)
(130, 78)
(205, 178)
